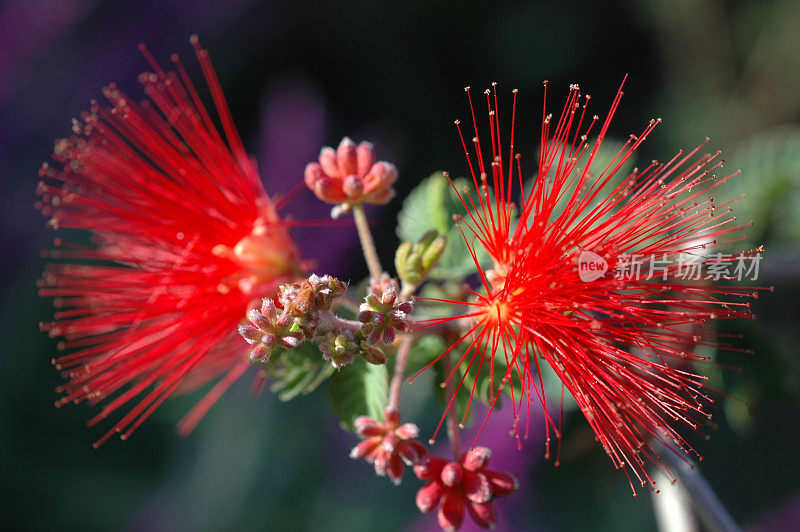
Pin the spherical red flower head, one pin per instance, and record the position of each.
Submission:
(388, 444)
(590, 279)
(466, 483)
(350, 174)
(185, 241)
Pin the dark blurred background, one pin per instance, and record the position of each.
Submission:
(302, 74)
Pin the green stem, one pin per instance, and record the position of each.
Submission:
(367, 244)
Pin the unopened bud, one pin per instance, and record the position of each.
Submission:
(373, 354)
(350, 174)
(414, 261)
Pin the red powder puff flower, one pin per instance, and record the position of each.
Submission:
(388, 444)
(590, 281)
(466, 483)
(350, 174)
(184, 239)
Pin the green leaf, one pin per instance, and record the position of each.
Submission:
(424, 351)
(770, 178)
(297, 371)
(360, 389)
(430, 206)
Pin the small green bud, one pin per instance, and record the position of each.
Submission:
(414, 261)
(414, 269)
(433, 253)
(401, 256)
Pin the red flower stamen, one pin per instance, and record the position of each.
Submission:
(610, 339)
(184, 240)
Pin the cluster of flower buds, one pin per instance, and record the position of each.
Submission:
(388, 444)
(459, 484)
(350, 174)
(414, 260)
(340, 349)
(304, 300)
(269, 330)
(382, 314)
(303, 311)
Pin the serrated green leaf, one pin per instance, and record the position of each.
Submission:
(360, 389)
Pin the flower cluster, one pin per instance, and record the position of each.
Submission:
(610, 341)
(388, 444)
(350, 174)
(269, 330)
(304, 312)
(382, 315)
(185, 239)
(466, 483)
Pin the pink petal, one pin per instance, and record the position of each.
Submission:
(382, 462)
(411, 451)
(346, 158)
(476, 487)
(365, 155)
(452, 473)
(364, 448)
(380, 197)
(353, 186)
(312, 174)
(428, 496)
(484, 514)
(327, 160)
(451, 512)
(429, 468)
(366, 426)
(476, 458)
(395, 469)
(502, 483)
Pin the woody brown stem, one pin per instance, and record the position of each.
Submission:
(399, 371)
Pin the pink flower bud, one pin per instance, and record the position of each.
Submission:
(387, 447)
(352, 186)
(451, 475)
(346, 158)
(476, 458)
(484, 514)
(365, 155)
(462, 484)
(350, 174)
(250, 334)
(451, 512)
(327, 160)
(366, 426)
(428, 497)
(259, 320)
